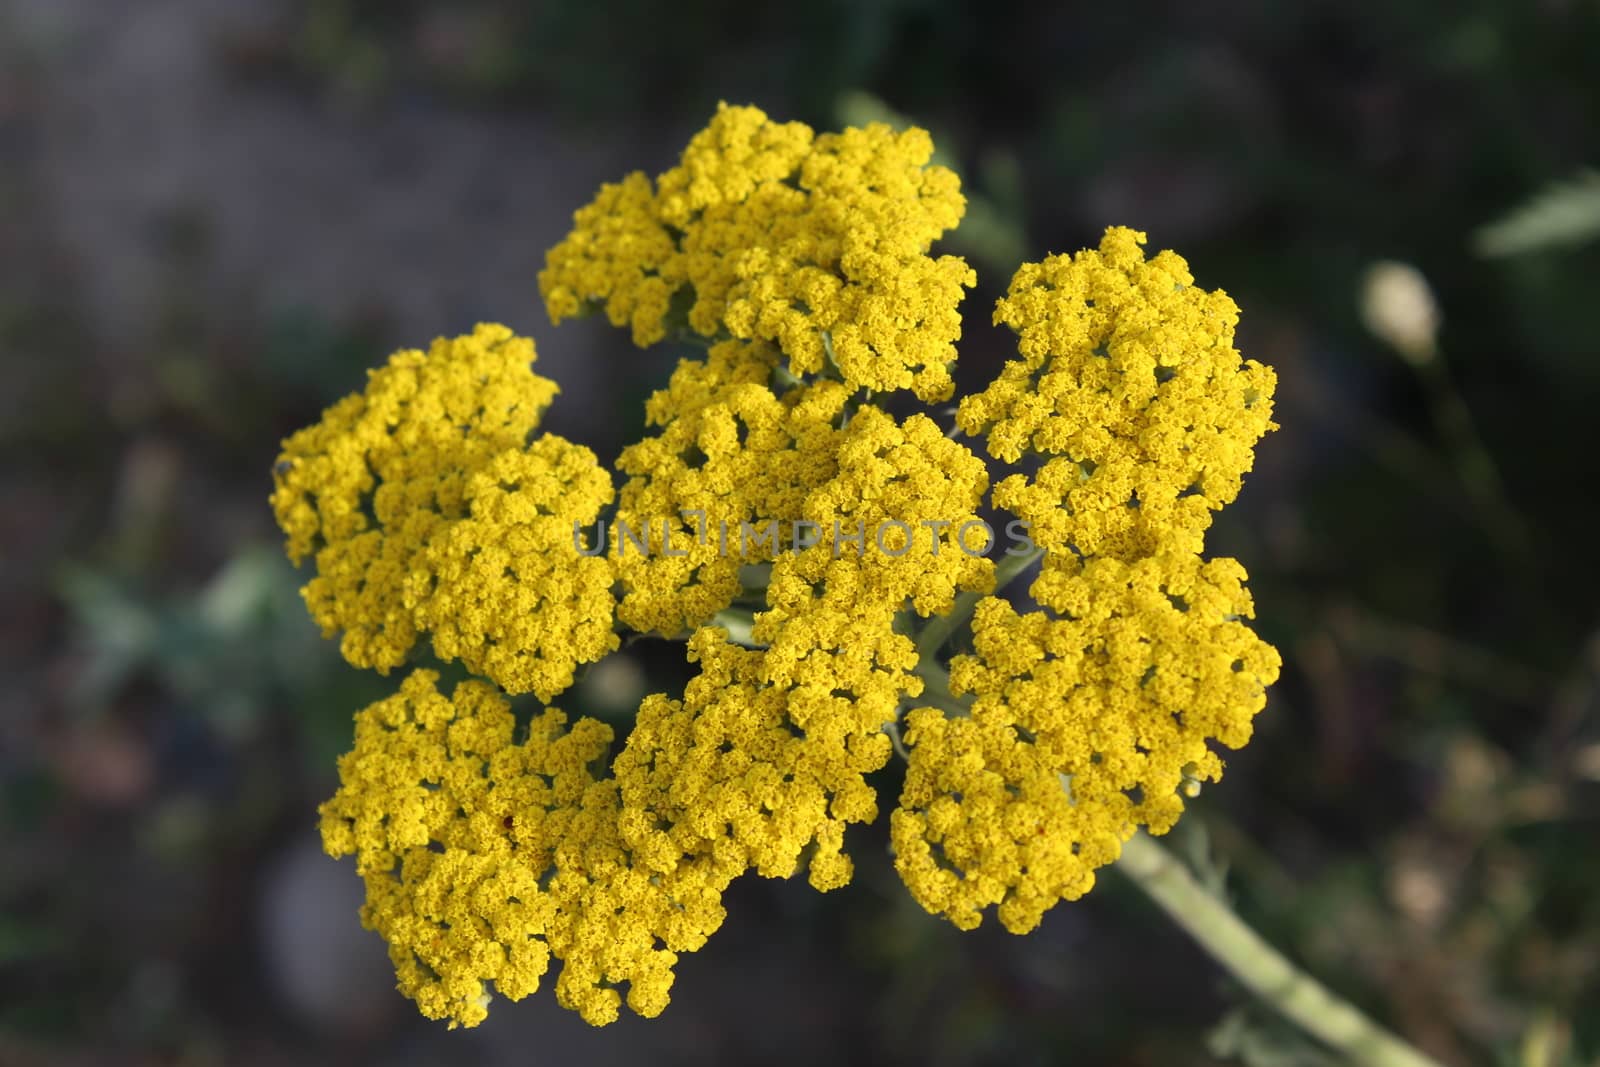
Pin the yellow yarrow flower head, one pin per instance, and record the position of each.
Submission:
(740, 152)
(1112, 690)
(1129, 384)
(819, 245)
(614, 258)
(453, 825)
(985, 821)
(1091, 717)
(887, 530)
(364, 489)
(901, 510)
(820, 551)
(427, 509)
(485, 857)
(766, 754)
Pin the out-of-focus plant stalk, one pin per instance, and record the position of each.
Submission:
(1296, 995)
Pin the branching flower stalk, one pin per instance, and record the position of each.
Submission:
(823, 559)
(932, 638)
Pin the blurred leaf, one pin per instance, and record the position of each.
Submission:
(232, 650)
(1258, 1039)
(120, 632)
(1564, 214)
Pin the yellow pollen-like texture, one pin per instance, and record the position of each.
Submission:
(430, 506)
(1111, 693)
(766, 231)
(828, 536)
(1129, 384)
(732, 458)
(486, 857)
(747, 772)
(1095, 713)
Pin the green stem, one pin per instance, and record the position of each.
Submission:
(940, 628)
(1296, 995)
(936, 690)
(738, 623)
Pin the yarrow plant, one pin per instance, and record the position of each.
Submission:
(1038, 739)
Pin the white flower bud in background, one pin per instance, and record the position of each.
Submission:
(1398, 307)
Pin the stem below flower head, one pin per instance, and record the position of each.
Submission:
(1296, 995)
(941, 628)
(936, 690)
(738, 623)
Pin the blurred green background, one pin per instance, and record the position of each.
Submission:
(215, 214)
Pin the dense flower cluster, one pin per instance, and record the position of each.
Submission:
(1129, 383)
(815, 551)
(731, 451)
(1138, 654)
(431, 507)
(1109, 696)
(817, 244)
(485, 857)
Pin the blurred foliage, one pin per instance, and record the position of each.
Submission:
(234, 651)
(1248, 1037)
(1564, 214)
(1416, 821)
